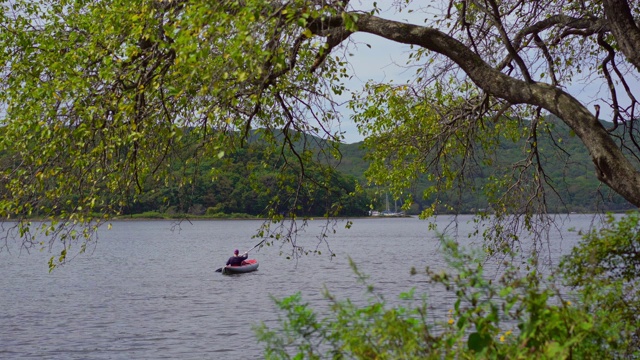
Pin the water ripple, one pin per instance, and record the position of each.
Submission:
(147, 292)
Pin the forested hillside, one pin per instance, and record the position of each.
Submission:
(240, 184)
(245, 181)
(567, 167)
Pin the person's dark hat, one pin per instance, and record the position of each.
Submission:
(236, 251)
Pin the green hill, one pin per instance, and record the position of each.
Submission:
(573, 186)
(253, 180)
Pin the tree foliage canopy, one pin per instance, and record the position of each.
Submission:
(99, 98)
(96, 96)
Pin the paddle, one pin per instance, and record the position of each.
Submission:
(246, 252)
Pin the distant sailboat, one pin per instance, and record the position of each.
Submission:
(388, 212)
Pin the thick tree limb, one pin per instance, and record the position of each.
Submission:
(624, 28)
(612, 167)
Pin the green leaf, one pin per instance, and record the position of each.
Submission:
(478, 342)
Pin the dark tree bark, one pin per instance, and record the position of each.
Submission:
(624, 28)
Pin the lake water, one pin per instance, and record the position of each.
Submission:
(148, 291)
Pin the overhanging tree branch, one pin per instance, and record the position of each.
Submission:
(609, 161)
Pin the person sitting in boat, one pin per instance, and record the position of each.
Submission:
(236, 260)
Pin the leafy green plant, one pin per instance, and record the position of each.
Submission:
(604, 269)
(514, 316)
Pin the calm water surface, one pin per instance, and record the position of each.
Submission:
(149, 292)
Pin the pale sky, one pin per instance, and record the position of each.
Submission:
(379, 62)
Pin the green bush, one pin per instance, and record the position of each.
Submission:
(516, 316)
(147, 215)
(214, 210)
(604, 269)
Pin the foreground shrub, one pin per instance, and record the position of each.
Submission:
(517, 316)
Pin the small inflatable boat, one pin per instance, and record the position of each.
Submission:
(247, 266)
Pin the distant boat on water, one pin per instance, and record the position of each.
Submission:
(387, 212)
